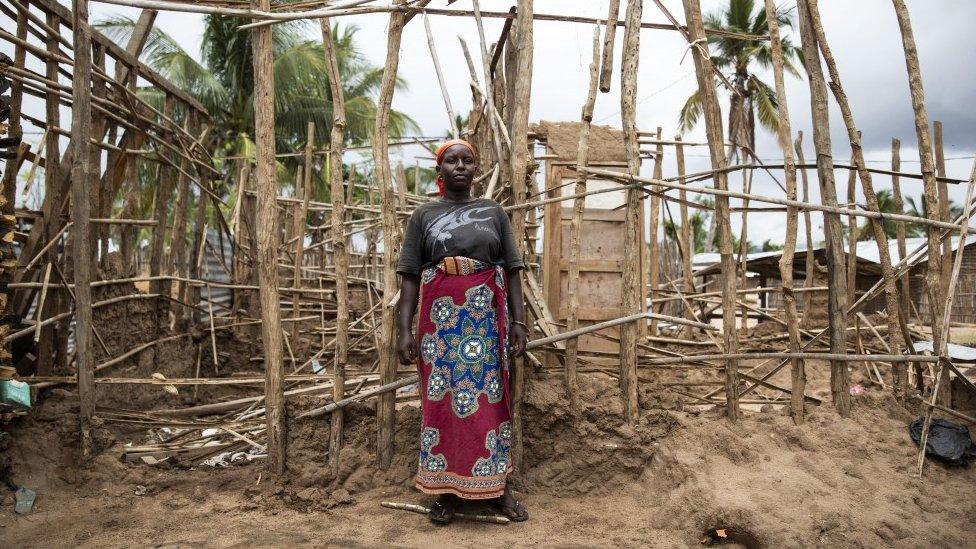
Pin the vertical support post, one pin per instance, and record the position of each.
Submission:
(609, 38)
(519, 138)
(905, 294)
(877, 226)
(161, 213)
(340, 253)
(945, 392)
(81, 176)
(386, 410)
(303, 189)
(713, 128)
(632, 291)
(810, 264)
(797, 366)
(576, 228)
(687, 239)
(179, 265)
(52, 346)
(266, 227)
(655, 254)
(837, 280)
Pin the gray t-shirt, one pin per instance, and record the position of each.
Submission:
(477, 228)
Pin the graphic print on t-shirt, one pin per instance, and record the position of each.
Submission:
(442, 226)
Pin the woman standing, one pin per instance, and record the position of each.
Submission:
(460, 263)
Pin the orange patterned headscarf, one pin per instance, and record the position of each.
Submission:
(439, 155)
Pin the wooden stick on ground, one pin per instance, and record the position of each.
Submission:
(420, 509)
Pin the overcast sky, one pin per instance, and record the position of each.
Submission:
(863, 36)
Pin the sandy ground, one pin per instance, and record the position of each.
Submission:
(590, 481)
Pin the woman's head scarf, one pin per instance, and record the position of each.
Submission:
(439, 155)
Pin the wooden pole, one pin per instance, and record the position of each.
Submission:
(179, 265)
(386, 411)
(304, 188)
(489, 93)
(837, 280)
(797, 366)
(945, 392)
(687, 238)
(340, 253)
(609, 38)
(713, 128)
(933, 275)
(905, 293)
(653, 238)
(631, 285)
(576, 228)
(440, 79)
(158, 244)
(266, 254)
(877, 226)
(525, 48)
(81, 177)
(52, 346)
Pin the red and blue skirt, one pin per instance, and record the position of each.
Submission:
(466, 429)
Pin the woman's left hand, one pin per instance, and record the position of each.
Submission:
(518, 338)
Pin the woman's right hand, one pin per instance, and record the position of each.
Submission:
(407, 348)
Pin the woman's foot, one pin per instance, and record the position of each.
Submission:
(442, 510)
(512, 508)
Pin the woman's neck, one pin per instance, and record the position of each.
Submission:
(457, 195)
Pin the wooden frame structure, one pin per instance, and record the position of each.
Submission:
(113, 131)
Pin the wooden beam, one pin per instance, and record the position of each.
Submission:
(609, 39)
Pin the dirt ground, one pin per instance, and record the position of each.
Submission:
(588, 481)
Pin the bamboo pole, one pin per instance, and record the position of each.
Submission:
(837, 287)
(797, 366)
(576, 228)
(631, 285)
(877, 227)
(339, 251)
(713, 126)
(687, 239)
(298, 225)
(81, 177)
(609, 39)
(266, 227)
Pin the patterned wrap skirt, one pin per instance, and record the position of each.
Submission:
(466, 427)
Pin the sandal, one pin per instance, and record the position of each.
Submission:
(515, 513)
(440, 514)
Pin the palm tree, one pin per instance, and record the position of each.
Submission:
(755, 99)
(224, 81)
(919, 209)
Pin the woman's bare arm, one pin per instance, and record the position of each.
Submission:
(407, 343)
(518, 335)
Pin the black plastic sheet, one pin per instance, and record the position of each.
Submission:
(947, 440)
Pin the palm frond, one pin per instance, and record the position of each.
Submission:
(691, 111)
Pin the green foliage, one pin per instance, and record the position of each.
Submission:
(736, 57)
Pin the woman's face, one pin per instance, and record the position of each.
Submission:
(457, 167)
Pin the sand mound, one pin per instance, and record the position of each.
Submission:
(832, 481)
